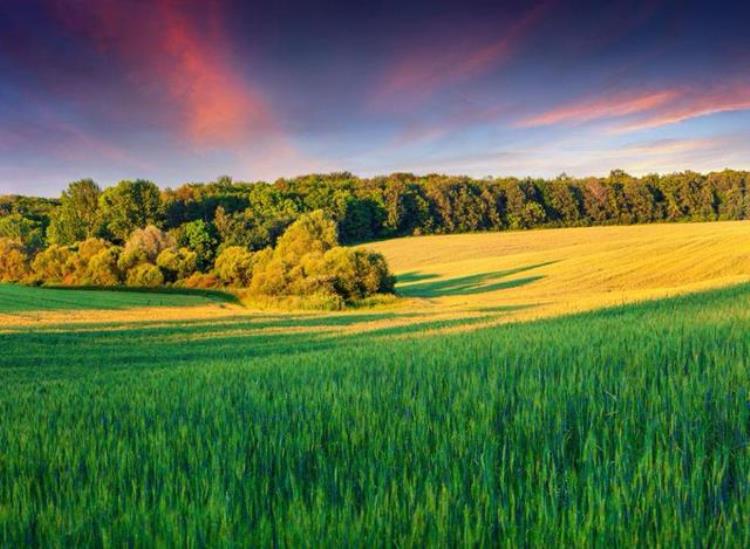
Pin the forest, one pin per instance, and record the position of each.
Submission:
(260, 235)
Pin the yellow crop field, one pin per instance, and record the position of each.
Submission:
(549, 272)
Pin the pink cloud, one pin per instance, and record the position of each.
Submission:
(622, 104)
(649, 109)
(694, 103)
(181, 61)
(421, 72)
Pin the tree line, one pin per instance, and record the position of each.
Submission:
(204, 220)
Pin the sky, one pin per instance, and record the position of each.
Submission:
(188, 90)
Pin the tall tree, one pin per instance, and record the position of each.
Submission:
(127, 206)
(77, 216)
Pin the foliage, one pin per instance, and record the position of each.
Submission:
(312, 233)
(177, 263)
(308, 262)
(128, 206)
(25, 230)
(14, 263)
(77, 216)
(201, 238)
(54, 264)
(201, 281)
(102, 269)
(234, 266)
(145, 275)
(357, 274)
(144, 246)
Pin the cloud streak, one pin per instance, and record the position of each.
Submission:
(175, 54)
(617, 105)
(639, 110)
(423, 71)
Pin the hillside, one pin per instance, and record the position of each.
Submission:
(482, 278)
(556, 271)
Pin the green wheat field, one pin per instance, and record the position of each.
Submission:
(624, 426)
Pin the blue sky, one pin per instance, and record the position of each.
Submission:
(177, 91)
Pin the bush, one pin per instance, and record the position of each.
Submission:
(102, 268)
(357, 274)
(55, 264)
(202, 281)
(145, 275)
(313, 232)
(177, 264)
(14, 264)
(144, 246)
(269, 274)
(307, 262)
(79, 260)
(234, 266)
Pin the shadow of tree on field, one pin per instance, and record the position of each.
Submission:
(413, 276)
(472, 284)
(51, 353)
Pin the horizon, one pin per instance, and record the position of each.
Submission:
(278, 90)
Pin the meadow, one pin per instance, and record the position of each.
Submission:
(260, 431)
(471, 413)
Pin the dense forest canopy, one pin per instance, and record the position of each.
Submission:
(209, 216)
(224, 231)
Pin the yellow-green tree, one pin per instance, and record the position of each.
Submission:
(14, 264)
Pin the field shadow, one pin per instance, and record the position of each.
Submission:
(472, 284)
(414, 276)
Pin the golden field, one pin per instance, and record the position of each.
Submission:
(557, 271)
(492, 278)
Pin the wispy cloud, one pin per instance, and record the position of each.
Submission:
(176, 54)
(693, 103)
(638, 110)
(422, 71)
(616, 105)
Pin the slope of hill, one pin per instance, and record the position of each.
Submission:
(557, 271)
(468, 280)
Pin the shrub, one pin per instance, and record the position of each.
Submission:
(357, 274)
(55, 264)
(145, 275)
(307, 262)
(78, 261)
(144, 246)
(177, 264)
(234, 266)
(269, 274)
(14, 263)
(102, 268)
(202, 281)
(313, 232)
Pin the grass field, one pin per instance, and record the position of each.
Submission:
(167, 419)
(626, 426)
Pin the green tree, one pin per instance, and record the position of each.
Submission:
(313, 232)
(77, 216)
(102, 269)
(128, 206)
(201, 237)
(144, 246)
(28, 232)
(54, 265)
